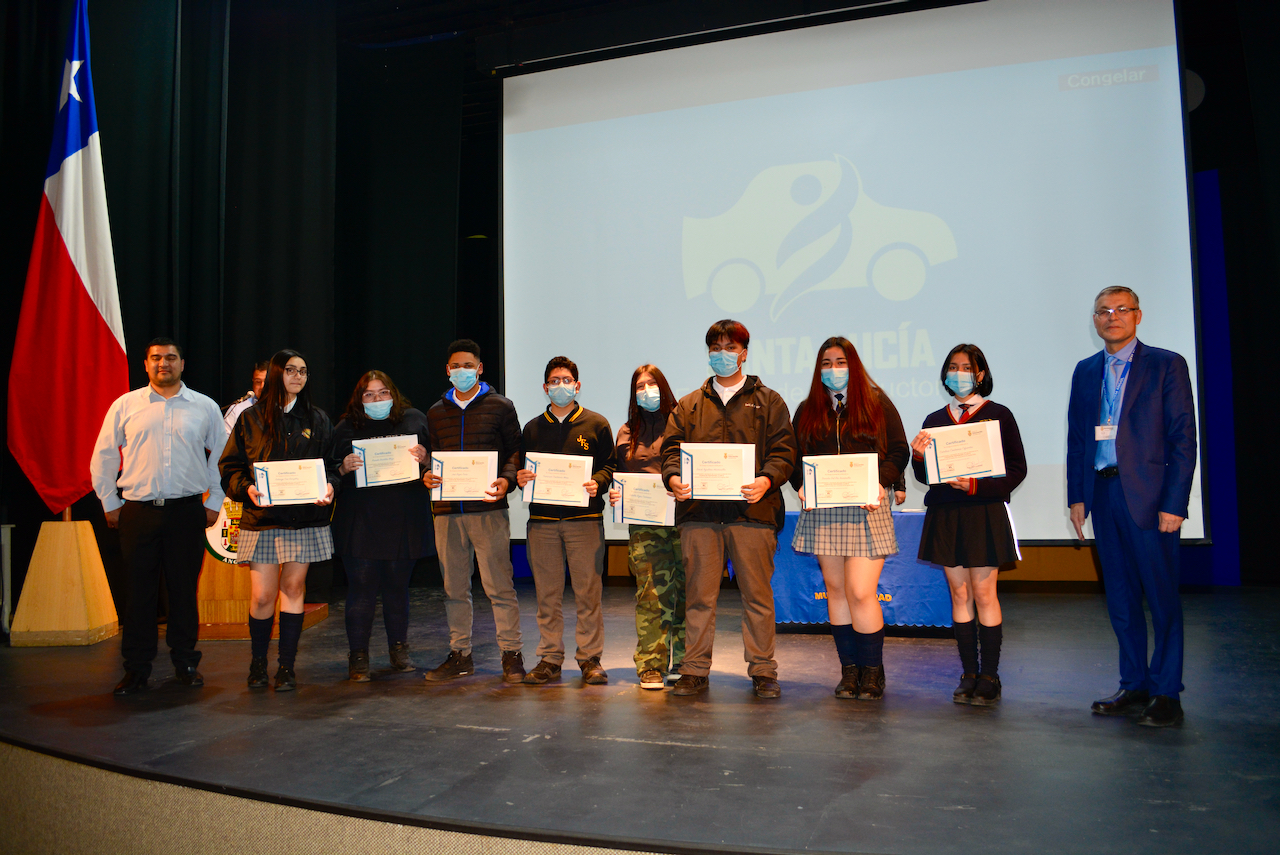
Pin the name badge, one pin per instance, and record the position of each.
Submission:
(1104, 432)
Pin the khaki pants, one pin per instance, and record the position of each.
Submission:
(459, 539)
(750, 546)
(581, 544)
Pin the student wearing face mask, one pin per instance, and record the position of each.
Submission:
(279, 541)
(473, 416)
(653, 551)
(380, 531)
(559, 535)
(967, 527)
(846, 413)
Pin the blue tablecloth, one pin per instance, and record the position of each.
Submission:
(912, 593)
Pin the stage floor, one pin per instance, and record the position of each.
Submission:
(616, 765)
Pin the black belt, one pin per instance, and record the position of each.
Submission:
(163, 503)
(1109, 472)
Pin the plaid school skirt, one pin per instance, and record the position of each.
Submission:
(284, 545)
(847, 532)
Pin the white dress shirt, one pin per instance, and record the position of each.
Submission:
(163, 443)
(727, 392)
(234, 411)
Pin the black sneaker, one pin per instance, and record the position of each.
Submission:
(690, 684)
(543, 672)
(454, 665)
(399, 654)
(964, 692)
(987, 691)
(285, 679)
(512, 666)
(258, 673)
(593, 672)
(848, 685)
(871, 683)
(358, 666)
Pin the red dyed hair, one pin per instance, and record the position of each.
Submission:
(864, 413)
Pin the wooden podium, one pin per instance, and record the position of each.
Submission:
(65, 598)
(223, 599)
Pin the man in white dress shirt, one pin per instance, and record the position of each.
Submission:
(156, 457)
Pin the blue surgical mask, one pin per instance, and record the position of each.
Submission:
(723, 363)
(562, 395)
(960, 383)
(649, 399)
(463, 379)
(378, 410)
(835, 379)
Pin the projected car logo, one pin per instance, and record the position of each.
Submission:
(809, 227)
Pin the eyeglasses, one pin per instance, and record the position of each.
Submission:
(380, 395)
(295, 372)
(561, 381)
(1122, 311)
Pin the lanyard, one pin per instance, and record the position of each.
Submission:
(1109, 401)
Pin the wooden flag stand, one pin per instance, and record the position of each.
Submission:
(65, 598)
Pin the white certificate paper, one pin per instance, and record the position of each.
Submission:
(386, 460)
(970, 450)
(644, 501)
(717, 470)
(557, 479)
(840, 480)
(464, 475)
(290, 482)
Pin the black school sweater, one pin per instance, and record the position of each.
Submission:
(582, 433)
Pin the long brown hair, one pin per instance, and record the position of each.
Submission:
(355, 407)
(635, 413)
(270, 406)
(864, 413)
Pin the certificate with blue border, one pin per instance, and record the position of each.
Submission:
(840, 480)
(969, 450)
(465, 476)
(385, 460)
(290, 482)
(717, 471)
(644, 500)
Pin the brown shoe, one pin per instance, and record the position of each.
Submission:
(399, 654)
(456, 664)
(543, 672)
(871, 683)
(358, 666)
(690, 684)
(512, 666)
(766, 687)
(593, 672)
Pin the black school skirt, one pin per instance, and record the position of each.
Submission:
(966, 534)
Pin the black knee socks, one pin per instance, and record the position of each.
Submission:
(846, 643)
(870, 648)
(290, 632)
(991, 638)
(967, 642)
(260, 635)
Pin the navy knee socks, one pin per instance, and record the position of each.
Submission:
(870, 648)
(991, 638)
(967, 642)
(290, 632)
(260, 635)
(846, 643)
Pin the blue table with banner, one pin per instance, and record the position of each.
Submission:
(912, 593)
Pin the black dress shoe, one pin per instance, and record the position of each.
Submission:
(187, 675)
(1122, 702)
(132, 683)
(1163, 711)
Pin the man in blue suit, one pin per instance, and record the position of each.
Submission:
(1131, 453)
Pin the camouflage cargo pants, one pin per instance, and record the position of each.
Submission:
(654, 557)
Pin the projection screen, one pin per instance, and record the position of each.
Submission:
(973, 173)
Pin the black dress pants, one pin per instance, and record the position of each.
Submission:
(166, 540)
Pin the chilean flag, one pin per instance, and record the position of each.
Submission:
(69, 360)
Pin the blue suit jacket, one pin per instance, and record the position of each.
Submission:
(1156, 442)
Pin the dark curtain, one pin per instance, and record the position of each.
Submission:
(397, 193)
(280, 172)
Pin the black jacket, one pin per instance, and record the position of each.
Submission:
(488, 423)
(307, 435)
(390, 522)
(893, 457)
(756, 415)
(583, 432)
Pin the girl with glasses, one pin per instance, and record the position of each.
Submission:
(380, 531)
(279, 541)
